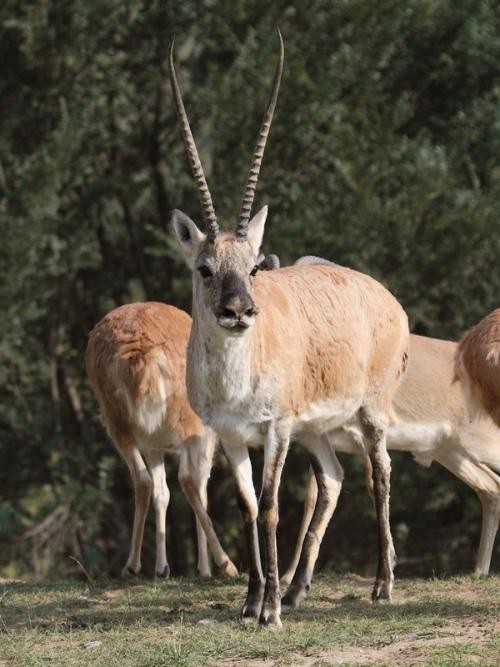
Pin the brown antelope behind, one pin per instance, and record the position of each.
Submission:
(302, 351)
(431, 423)
(478, 367)
(136, 364)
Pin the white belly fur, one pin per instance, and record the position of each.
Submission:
(250, 428)
(238, 429)
(422, 440)
(328, 415)
(336, 419)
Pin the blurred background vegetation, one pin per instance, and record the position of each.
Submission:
(384, 156)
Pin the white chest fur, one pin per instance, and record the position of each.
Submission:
(224, 392)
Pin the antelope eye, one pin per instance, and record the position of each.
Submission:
(254, 270)
(204, 271)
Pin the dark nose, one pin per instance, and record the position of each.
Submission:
(237, 305)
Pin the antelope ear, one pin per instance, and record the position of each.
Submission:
(256, 229)
(268, 263)
(190, 238)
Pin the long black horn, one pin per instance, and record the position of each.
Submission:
(207, 207)
(253, 174)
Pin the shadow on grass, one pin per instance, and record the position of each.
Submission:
(192, 601)
(117, 603)
(364, 609)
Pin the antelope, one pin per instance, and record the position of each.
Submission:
(297, 352)
(432, 424)
(136, 364)
(478, 367)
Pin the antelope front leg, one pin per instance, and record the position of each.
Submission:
(275, 451)
(247, 502)
(375, 437)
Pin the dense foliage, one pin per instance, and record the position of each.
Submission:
(383, 156)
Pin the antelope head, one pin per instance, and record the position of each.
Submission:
(225, 263)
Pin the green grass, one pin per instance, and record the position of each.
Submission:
(183, 623)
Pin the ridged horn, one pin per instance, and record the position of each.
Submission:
(253, 174)
(207, 207)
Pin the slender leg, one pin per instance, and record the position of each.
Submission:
(276, 448)
(369, 476)
(309, 505)
(161, 495)
(487, 486)
(489, 528)
(195, 492)
(202, 459)
(247, 502)
(374, 432)
(203, 565)
(142, 494)
(194, 471)
(329, 475)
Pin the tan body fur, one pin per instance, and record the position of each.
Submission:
(332, 335)
(478, 367)
(136, 364)
(431, 422)
(313, 350)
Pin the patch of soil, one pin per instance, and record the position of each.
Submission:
(118, 593)
(410, 647)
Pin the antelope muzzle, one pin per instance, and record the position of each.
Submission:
(237, 310)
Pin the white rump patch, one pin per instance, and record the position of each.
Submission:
(149, 413)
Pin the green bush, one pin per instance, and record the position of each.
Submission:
(383, 156)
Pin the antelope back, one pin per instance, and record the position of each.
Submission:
(136, 364)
